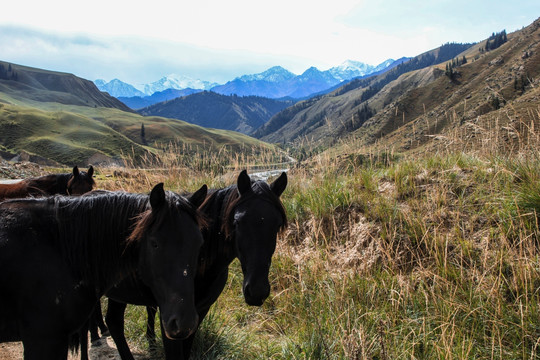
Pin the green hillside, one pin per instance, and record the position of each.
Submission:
(40, 116)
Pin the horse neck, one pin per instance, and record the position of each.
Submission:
(51, 184)
(218, 251)
(95, 243)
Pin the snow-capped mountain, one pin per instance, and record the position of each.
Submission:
(276, 82)
(117, 88)
(174, 81)
(275, 74)
(351, 69)
(313, 73)
(384, 65)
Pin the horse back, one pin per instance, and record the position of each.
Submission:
(13, 191)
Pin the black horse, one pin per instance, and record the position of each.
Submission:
(75, 183)
(245, 220)
(59, 255)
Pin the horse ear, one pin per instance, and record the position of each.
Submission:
(90, 171)
(157, 196)
(243, 183)
(279, 185)
(197, 198)
(75, 171)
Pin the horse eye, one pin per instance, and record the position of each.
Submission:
(154, 244)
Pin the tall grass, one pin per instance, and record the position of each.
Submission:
(431, 257)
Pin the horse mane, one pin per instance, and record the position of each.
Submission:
(148, 218)
(92, 233)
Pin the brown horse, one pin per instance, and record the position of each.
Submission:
(75, 183)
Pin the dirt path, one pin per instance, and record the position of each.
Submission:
(105, 349)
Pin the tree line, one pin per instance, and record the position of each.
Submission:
(7, 73)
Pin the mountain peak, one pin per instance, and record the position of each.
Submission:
(179, 82)
(117, 88)
(274, 74)
(350, 69)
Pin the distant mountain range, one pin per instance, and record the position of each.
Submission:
(138, 102)
(118, 88)
(244, 114)
(274, 83)
(443, 96)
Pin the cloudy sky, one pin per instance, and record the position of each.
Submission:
(218, 40)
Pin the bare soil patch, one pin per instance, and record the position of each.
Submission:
(104, 349)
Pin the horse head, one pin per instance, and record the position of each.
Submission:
(80, 182)
(170, 241)
(257, 217)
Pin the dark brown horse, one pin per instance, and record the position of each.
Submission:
(59, 255)
(75, 183)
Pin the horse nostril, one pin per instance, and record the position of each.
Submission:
(172, 328)
(175, 329)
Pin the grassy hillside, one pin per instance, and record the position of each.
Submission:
(420, 109)
(493, 90)
(60, 117)
(72, 134)
(26, 83)
(65, 137)
(326, 118)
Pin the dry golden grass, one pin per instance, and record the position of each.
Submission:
(387, 256)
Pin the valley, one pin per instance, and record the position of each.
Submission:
(412, 201)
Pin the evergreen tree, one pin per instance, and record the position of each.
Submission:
(143, 135)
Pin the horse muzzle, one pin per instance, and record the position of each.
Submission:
(180, 326)
(256, 293)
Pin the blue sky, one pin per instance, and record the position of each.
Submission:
(218, 40)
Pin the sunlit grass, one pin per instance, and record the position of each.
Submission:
(431, 257)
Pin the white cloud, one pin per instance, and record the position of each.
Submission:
(216, 40)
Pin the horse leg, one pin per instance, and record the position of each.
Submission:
(83, 340)
(174, 349)
(96, 321)
(94, 334)
(98, 318)
(150, 327)
(115, 321)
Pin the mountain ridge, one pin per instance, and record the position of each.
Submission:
(275, 82)
(40, 85)
(213, 110)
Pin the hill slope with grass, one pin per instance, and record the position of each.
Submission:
(328, 117)
(28, 83)
(413, 103)
(495, 91)
(61, 118)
